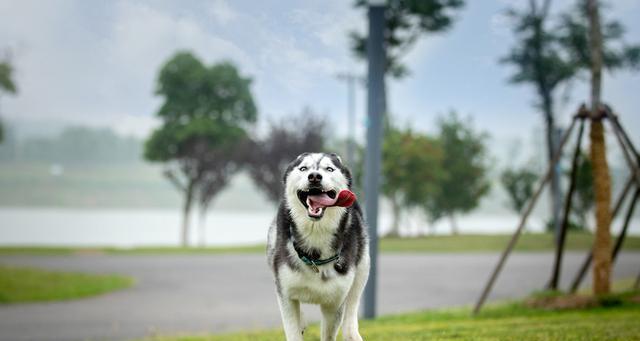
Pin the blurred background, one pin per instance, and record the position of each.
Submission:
(129, 124)
(88, 94)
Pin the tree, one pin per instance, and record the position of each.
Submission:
(583, 198)
(406, 20)
(592, 47)
(6, 85)
(205, 112)
(411, 171)
(519, 185)
(464, 164)
(601, 180)
(269, 157)
(548, 56)
(539, 60)
(573, 34)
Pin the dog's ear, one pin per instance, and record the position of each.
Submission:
(337, 157)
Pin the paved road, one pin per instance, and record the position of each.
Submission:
(213, 293)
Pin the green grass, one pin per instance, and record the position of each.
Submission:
(502, 322)
(528, 242)
(18, 285)
(48, 251)
(490, 243)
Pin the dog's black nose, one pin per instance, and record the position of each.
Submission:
(315, 177)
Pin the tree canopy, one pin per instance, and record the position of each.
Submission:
(519, 186)
(573, 34)
(6, 78)
(406, 20)
(411, 170)
(286, 139)
(583, 199)
(205, 112)
(6, 85)
(464, 162)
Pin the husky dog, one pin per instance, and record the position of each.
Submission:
(318, 247)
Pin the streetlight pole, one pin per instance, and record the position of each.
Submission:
(350, 79)
(375, 110)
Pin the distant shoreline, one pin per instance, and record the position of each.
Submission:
(463, 243)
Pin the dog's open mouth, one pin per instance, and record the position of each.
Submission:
(316, 200)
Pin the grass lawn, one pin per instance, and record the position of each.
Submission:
(460, 243)
(502, 322)
(492, 243)
(18, 285)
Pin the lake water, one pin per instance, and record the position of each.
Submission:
(147, 227)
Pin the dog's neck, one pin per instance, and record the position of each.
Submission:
(319, 234)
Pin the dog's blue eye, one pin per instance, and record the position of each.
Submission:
(302, 169)
(329, 169)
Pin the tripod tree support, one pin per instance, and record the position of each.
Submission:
(557, 264)
(627, 146)
(524, 218)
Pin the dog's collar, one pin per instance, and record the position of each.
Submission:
(307, 259)
(314, 263)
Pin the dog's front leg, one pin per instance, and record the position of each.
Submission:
(331, 321)
(291, 320)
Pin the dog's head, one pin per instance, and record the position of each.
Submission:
(312, 184)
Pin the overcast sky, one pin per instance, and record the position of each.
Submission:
(95, 62)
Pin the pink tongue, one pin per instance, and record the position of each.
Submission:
(321, 200)
(346, 198)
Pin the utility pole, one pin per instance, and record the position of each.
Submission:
(376, 104)
(350, 79)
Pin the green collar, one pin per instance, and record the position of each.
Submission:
(314, 263)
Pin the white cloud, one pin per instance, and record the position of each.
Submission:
(71, 70)
(100, 67)
(500, 24)
(222, 13)
(330, 29)
(291, 66)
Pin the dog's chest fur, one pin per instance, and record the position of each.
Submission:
(339, 233)
(325, 287)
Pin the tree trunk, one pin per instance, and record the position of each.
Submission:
(202, 234)
(454, 224)
(545, 91)
(396, 211)
(188, 199)
(601, 179)
(602, 188)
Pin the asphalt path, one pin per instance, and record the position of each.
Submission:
(194, 294)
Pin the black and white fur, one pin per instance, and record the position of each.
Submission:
(337, 286)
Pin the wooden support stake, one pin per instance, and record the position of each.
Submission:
(523, 220)
(623, 139)
(557, 264)
(623, 232)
